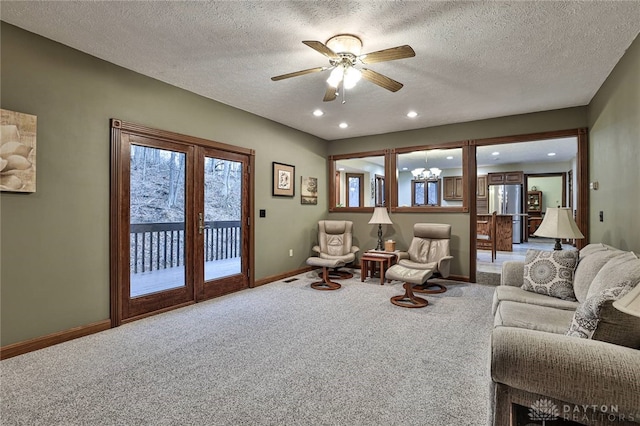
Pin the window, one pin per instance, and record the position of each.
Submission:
(358, 181)
(425, 192)
(421, 173)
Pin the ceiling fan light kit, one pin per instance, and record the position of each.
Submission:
(345, 43)
(344, 51)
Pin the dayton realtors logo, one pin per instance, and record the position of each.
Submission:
(544, 410)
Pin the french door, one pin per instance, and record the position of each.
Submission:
(180, 220)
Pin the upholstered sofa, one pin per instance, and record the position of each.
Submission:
(550, 359)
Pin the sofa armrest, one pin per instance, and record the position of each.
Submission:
(355, 249)
(578, 371)
(512, 273)
(444, 266)
(316, 249)
(403, 255)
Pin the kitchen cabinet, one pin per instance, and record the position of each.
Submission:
(482, 188)
(482, 195)
(452, 188)
(505, 178)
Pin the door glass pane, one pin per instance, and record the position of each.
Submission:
(157, 212)
(222, 218)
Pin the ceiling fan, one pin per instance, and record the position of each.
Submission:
(343, 51)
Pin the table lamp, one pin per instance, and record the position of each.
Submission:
(558, 223)
(380, 217)
(630, 303)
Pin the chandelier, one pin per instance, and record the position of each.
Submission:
(426, 174)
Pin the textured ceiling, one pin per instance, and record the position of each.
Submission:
(474, 60)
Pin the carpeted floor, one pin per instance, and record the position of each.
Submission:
(280, 354)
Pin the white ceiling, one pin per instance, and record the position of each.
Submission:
(474, 60)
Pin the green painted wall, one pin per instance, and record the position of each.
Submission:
(55, 242)
(614, 146)
(400, 231)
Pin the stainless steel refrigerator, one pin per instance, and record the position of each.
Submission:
(507, 199)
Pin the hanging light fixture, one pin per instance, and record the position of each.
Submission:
(435, 171)
(351, 77)
(336, 76)
(348, 47)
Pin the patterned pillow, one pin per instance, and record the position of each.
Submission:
(597, 319)
(550, 272)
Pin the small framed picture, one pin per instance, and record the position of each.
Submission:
(284, 176)
(309, 190)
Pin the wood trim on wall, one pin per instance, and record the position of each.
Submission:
(20, 348)
(471, 173)
(582, 187)
(278, 277)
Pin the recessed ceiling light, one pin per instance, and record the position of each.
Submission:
(412, 114)
(318, 113)
(495, 153)
(450, 157)
(551, 154)
(405, 168)
(341, 169)
(343, 125)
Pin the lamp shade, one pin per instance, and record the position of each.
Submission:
(630, 303)
(558, 223)
(380, 216)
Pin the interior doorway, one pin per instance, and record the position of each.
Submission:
(551, 156)
(180, 225)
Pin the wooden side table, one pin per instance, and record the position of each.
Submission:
(370, 260)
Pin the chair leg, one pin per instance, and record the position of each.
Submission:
(337, 274)
(429, 288)
(408, 299)
(326, 283)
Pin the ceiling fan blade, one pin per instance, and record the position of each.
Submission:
(399, 52)
(320, 47)
(298, 73)
(381, 80)
(330, 94)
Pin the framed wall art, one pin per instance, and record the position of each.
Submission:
(308, 190)
(17, 151)
(283, 179)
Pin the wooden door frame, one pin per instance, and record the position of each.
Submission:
(582, 182)
(117, 223)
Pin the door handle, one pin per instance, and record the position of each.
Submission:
(201, 225)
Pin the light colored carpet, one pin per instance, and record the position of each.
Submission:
(280, 354)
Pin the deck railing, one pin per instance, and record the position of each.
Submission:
(156, 246)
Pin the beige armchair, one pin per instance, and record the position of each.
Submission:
(429, 249)
(335, 242)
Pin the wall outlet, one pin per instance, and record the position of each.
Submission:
(290, 252)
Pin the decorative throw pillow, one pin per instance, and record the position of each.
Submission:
(622, 268)
(588, 268)
(597, 319)
(550, 272)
